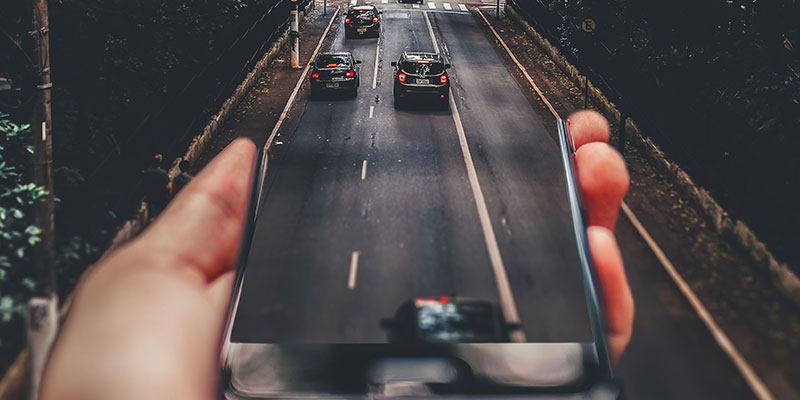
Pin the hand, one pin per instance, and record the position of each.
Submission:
(146, 322)
(603, 181)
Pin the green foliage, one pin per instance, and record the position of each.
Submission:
(17, 232)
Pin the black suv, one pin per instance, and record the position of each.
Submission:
(422, 75)
(335, 71)
(362, 21)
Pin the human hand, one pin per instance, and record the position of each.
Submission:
(603, 181)
(146, 322)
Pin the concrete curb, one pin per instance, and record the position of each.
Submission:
(783, 278)
(13, 385)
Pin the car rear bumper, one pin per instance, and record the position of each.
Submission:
(318, 84)
(373, 29)
(426, 91)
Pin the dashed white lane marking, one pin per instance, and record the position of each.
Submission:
(463, 7)
(415, 5)
(447, 6)
(351, 277)
(299, 84)
(431, 5)
(364, 170)
(755, 383)
(384, 1)
(377, 57)
(353, 2)
(371, 111)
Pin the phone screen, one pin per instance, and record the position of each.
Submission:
(407, 298)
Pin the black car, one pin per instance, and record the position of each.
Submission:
(447, 320)
(335, 71)
(362, 21)
(423, 76)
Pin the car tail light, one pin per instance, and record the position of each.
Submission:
(375, 20)
(401, 77)
(443, 299)
(347, 20)
(350, 74)
(443, 79)
(315, 75)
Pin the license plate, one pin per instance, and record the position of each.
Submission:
(331, 85)
(421, 81)
(362, 30)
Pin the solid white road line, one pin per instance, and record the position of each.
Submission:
(364, 170)
(430, 31)
(463, 7)
(447, 6)
(755, 383)
(507, 303)
(351, 277)
(299, 84)
(377, 59)
(431, 5)
(371, 111)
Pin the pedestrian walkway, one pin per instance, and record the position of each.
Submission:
(429, 5)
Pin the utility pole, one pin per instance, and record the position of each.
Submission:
(295, 33)
(42, 322)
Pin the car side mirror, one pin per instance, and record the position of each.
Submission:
(358, 61)
(394, 63)
(380, 12)
(311, 63)
(446, 66)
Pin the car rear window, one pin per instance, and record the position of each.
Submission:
(418, 68)
(361, 14)
(333, 61)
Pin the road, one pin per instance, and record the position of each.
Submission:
(391, 191)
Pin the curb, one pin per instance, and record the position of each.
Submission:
(785, 281)
(12, 384)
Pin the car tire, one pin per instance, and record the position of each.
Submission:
(444, 103)
(398, 103)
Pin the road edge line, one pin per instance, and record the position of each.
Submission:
(748, 373)
(299, 84)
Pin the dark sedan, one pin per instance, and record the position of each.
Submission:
(421, 76)
(362, 21)
(335, 72)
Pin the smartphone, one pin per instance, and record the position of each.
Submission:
(297, 330)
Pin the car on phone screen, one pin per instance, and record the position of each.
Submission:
(362, 21)
(447, 320)
(422, 77)
(335, 72)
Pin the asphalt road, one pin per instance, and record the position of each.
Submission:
(413, 223)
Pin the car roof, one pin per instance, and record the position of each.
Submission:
(421, 55)
(335, 53)
(363, 7)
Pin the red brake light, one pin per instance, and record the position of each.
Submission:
(401, 77)
(375, 19)
(443, 299)
(347, 20)
(424, 62)
(443, 79)
(332, 65)
(315, 75)
(350, 74)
